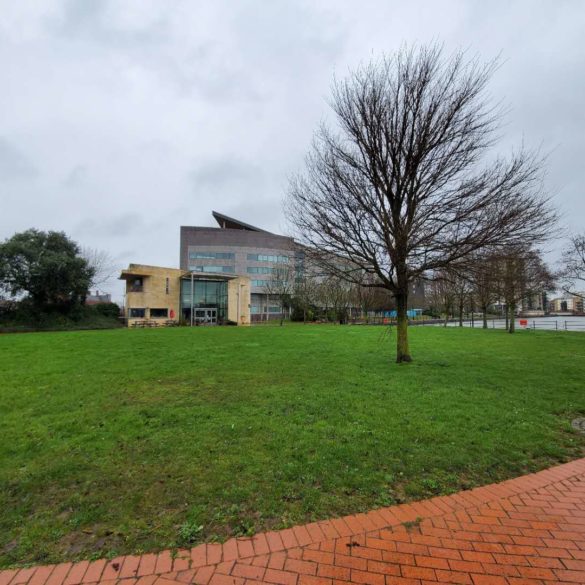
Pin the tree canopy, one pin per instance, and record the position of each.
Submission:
(46, 268)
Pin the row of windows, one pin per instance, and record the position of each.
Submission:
(230, 269)
(265, 282)
(268, 258)
(261, 270)
(139, 313)
(278, 259)
(255, 310)
(212, 255)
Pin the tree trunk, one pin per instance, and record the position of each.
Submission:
(507, 319)
(484, 314)
(512, 328)
(402, 350)
(461, 313)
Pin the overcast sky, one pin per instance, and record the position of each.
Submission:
(122, 120)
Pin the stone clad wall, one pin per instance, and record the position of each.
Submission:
(239, 287)
(154, 295)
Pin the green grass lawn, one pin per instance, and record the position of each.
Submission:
(136, 440)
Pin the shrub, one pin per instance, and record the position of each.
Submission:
(111, 310)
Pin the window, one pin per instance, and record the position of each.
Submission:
(230, 269)
(159, 313)
(136, 284)
(205, 294)
(274, 283)
(255, 309)
(212, 255)
(274, 309)
(136, 313)
(167, 285)
(268, 258)
(260, 270)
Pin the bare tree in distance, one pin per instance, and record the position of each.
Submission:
(102, 263)
(304, 293)
(337, 294)
(482, 274)
(521, 273)
(441, 294)
(403, 185)
(573, 271)
(367, 294)
(281, 285)
(462, 290)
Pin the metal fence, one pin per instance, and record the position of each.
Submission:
(556, 325)
(546, 324)
(542, 323)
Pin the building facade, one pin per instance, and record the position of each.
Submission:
(161, 296)
(237, 248)
(568, 304)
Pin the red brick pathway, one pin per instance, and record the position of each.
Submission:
(525, 531)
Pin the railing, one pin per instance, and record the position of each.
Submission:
(542, 324)
(477, 323)
(566, 325)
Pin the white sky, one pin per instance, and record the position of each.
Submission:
(122, 120)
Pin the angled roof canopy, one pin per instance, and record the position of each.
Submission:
(226, 222)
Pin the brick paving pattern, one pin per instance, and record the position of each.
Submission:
(525, 531)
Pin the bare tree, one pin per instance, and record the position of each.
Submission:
(522, 273)
(280, 286)
(397, 187)
(305, 290)
(482, 274)
(341, 294)
(462, 290)
(102, 263)
(335, 295)
(366, 294)
(573, 271)
(441, 293)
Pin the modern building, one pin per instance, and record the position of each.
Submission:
(229, 273)
(568, 304)
(156, 295)
(237, 248)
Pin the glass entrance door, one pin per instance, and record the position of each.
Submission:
(205, 317)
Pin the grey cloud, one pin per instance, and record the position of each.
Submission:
(145, 115)
(218, 174)
(90, 21)
(77, 177)
(14, 164)
(123, 225)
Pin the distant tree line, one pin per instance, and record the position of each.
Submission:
(506, 279)
(494, 282)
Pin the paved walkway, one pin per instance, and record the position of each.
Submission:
(525, 531)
